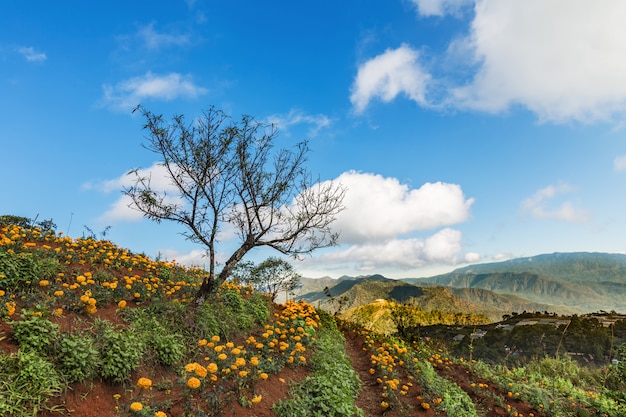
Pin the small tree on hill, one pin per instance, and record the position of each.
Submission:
(272, 276)
(229, 173)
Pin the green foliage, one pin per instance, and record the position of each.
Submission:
(27, 381)
(231, 313)
(21, 270)
(120, 352)
(35, 333)
(77, 357)
(333, 385)
(271, 276)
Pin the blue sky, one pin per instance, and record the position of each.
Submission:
(465, 131)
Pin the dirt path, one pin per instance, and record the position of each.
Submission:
(489, 400)
(370, 398)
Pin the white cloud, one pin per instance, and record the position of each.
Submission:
(619, 163)
(439, 7)
(31, 54)
(122, 209)
(128, 94)
(442, 247)
(562, 59)
(194, 258)
(296, 117)
(379, 208)
(156, 40)
(472, 257)
(385, 76)
(538, 205)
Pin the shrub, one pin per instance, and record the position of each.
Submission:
(35, 333)
(120, 353)
(77, 357)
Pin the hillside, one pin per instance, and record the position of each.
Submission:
(90, 329)
(572, 282)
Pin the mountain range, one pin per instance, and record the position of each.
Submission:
(564, 283)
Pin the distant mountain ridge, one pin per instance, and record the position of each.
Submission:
(580, 281)
(360, 291)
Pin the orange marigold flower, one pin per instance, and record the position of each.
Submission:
(193, 383)
(136, 406)
(121, 304)
(144, 383)
(257, 399)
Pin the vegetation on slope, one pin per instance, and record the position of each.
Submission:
(87, 328)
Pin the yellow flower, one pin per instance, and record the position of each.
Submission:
(202, 342)
(190, 367)
(121, 304)
(243, 374)
(384, 404)
(215, 339)
(44, 283)
(221, 356)
(58, 293)
(136, 407)
(193, 383)
(212, 368)
(425, 406)
(257, 399)
(144, 383)
(201, 371)
(263, 376)
(160, 414)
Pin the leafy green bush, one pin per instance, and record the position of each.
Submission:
(169, 348)
(20, 270)
(120, 352)
(27, 381)
(77, 357)
(35, 333)
(333, 385)
(231, 313)
(159, 327)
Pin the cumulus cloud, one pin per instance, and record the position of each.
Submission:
(31, 55)
(619, 163)
(442, 247)
(439, 7)
(155, 40)
(538, 205)
(379, 208)
(394, 72)
(561, 59)
(122, 208)
(472, 257)
(128, 94)
(296, 117)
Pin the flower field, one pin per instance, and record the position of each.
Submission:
(90, 329)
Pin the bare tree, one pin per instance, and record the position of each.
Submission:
(229, 173)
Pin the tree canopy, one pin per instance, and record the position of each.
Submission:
(229, 173)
